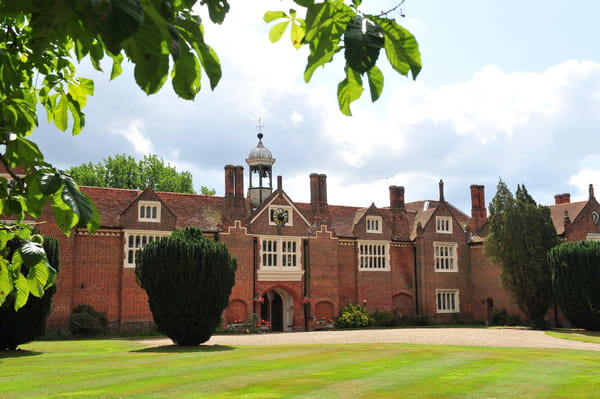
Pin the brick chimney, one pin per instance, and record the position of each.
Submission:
(318, 195)
(397, 197)
(564, 198)
(239, 181)
(478, 209)
(229, 180)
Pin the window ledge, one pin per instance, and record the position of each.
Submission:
(280, 275)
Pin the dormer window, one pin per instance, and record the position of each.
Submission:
(443, 224)
(149, 211)
(374, 224)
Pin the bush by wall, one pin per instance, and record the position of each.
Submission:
(87, 322)
(353, 316)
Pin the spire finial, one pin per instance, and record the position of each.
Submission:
(591, 190)
(260, 126)
(441, 190)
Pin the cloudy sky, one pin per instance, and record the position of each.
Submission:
(508, 89)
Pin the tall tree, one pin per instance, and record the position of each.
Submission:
(123, 171)
(521, 233)
(41, 40)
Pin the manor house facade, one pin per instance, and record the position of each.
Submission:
(298, 262)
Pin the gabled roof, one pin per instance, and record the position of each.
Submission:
(424, 210)
(557, 212)
(203, 211)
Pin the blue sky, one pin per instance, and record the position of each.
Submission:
(508, 89)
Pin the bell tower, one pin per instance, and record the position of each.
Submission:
(260, 160)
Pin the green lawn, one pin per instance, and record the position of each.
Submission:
(576, 335)
(123, 368)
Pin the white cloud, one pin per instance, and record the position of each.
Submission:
(140, 142)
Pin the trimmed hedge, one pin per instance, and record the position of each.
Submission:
(575, 270)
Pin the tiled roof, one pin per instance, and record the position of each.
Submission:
(204, 211)
(557, 213)
(423, 210)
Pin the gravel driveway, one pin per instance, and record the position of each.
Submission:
(431, 336)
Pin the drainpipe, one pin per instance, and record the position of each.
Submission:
(306, 282)
(254, 265)
(416, 282)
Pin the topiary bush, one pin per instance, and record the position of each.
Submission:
(87, 322)
(29, 322)
(575, 272)
(188, 278)
(354, 316)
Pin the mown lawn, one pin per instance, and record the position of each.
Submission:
(576, 335)
(123, 368)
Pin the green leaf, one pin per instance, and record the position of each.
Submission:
(216, 9)
(21, 290)
(186, 79)
(80, 203)
(375, 82)
(277, 31)
(271, 16)
(325, 24)
(37, 278)
(349, 90)
(31, 253)
(363, 39)
(401, 47)
(116, 66)
(64, 216)
(6, 282)
(210, 62)
(61, 113)
(297, 33)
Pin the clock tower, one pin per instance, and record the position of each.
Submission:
(260, 160)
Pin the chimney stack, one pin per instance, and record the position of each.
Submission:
(564, 198)
(229, 180)
(318, 195)
(478, 209)
(397, 197)
(239, 181)
(442, 191)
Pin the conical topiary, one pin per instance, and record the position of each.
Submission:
(188, 278)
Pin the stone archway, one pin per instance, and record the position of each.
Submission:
(278, 308)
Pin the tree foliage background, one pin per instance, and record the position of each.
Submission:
(521, 233)
(123, 171)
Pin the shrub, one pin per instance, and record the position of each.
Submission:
(87, 322)
(353, 316)
(188, 278)
(502, 318)
(419, 320)
(575, 272)
(29, 322)
(383, 319)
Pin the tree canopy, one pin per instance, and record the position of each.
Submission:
(521, 233)
(40, 42)
(123, 171)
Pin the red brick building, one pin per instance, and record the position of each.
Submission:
(301, 261)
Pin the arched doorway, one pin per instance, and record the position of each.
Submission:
(278, 308)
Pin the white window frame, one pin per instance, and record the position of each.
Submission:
(447, 300)
(373, 256)
(280, 258)
(445, 257)
(592, 236)
(443, 224)
(136, 240)
(152, 206)
(374, 224)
